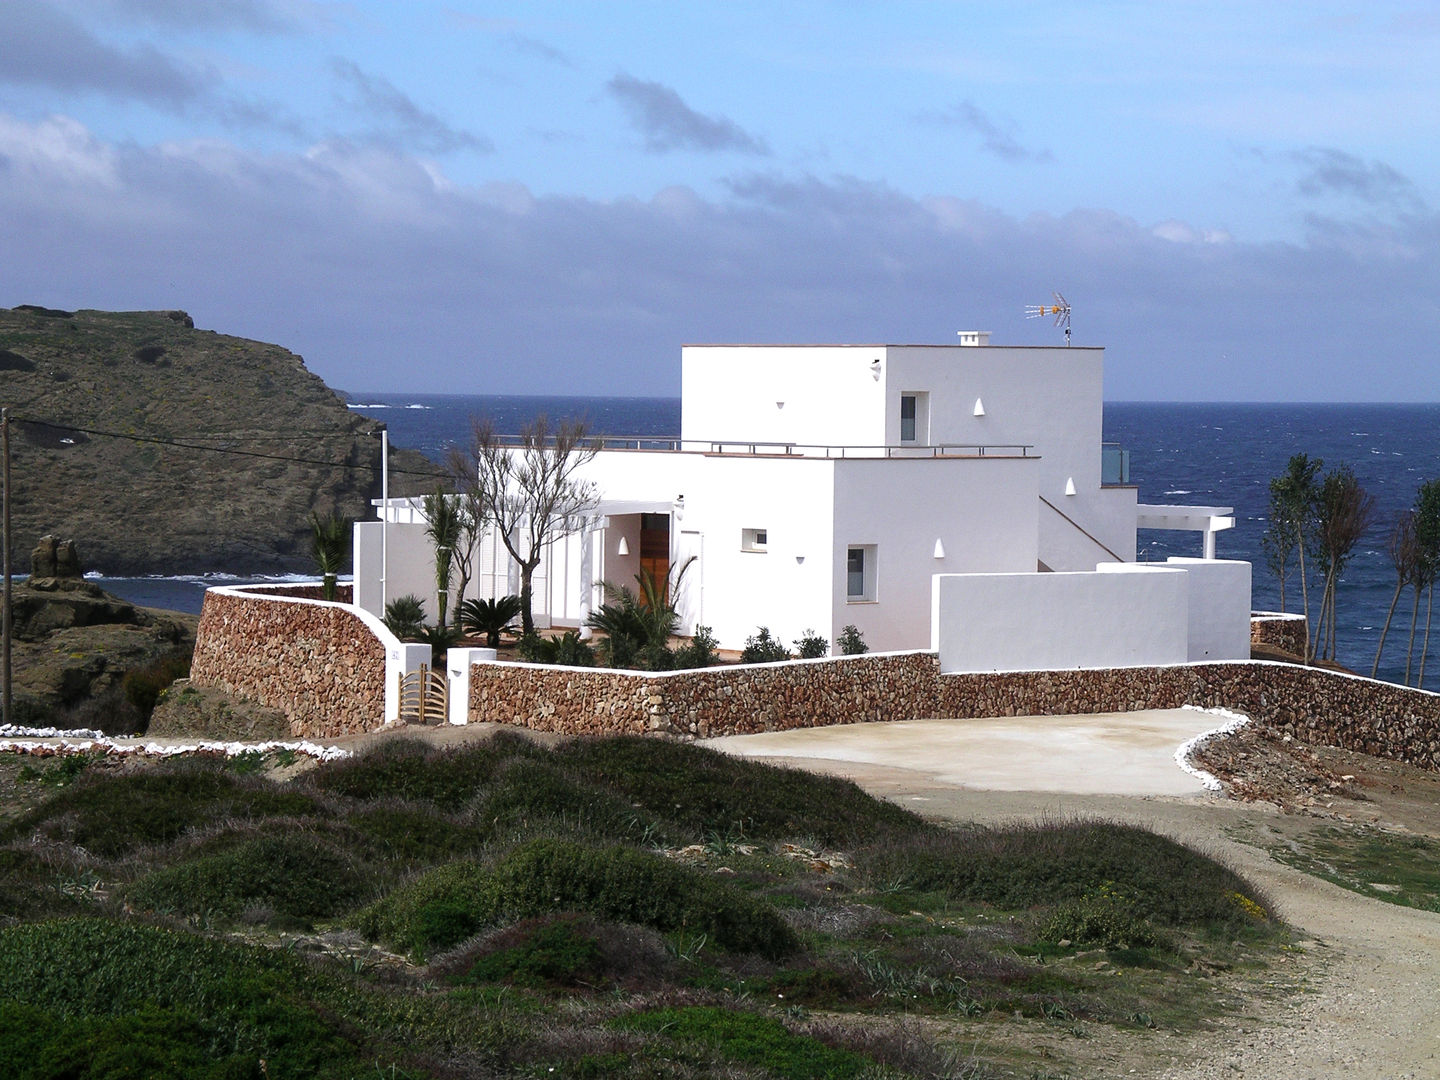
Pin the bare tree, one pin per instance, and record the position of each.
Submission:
(474, 518)
(1344, 513)
(1405, 558)
(528, 488)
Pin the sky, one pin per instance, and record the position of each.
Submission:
(1237, 199)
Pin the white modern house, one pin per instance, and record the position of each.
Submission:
(818, 486)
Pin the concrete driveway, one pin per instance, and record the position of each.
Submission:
(1129, 753)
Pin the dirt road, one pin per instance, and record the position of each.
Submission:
(1359, 999)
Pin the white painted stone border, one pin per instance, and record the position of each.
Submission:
(22, 740)
(1233, 722)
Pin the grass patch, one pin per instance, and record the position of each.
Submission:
(1396, 867)
(746, 1038)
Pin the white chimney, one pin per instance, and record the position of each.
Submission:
(974, 337)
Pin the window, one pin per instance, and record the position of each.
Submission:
(754, 539)
(860, 574)
(915, 417)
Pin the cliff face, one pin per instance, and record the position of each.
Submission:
(265, 443)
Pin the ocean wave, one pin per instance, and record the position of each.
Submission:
(218, 578)
(1180, 491)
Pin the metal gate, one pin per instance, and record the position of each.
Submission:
(424, 696)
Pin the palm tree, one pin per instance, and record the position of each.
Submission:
(488, 617)
(328, 542)
(1292, 502)
(1405, 558)
(443, 526)
(1427, 537)
(1344, 511)
(640, 624)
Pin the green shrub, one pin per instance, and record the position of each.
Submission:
(142, 686)
(405, 833)
(413, 770)
(1022, 866)
(702, 791)
(298, 875)
(1104, 916)
(811, 646)
(32, 887)
(549, 953)
(489, 617)
(851, 641)
(701, 650)
(762, 648)
(249, 1000)
(110, 814)
(568, 650)
(747, 1038)
(404, 617)
(538, 796)
(450, 904)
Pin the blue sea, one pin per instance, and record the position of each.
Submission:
(1213, 454)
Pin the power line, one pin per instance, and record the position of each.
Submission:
(161, 441)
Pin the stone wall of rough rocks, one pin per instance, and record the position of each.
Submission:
(1311, 704)
(343, 593)
(319, 664)
(730, 700)
(1288, 632)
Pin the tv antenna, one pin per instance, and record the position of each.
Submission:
(1060, 309)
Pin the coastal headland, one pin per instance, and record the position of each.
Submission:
(163, 448)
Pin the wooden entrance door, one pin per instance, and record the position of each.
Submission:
(655, 547)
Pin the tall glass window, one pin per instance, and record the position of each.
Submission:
(860, 573)
(907, 417)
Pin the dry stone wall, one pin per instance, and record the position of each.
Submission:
(1284, 631)
(707, 702)
(319, 664)
(1313, 705)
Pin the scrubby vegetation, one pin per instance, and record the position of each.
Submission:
(417, 912)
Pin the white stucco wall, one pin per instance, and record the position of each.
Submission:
(981, 510)
(1219, 605)
(1027, 622)
(813, 394)
(411, 563)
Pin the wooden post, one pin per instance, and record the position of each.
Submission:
(5, 541)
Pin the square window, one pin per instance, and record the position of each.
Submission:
(860, 574)
(754, 539)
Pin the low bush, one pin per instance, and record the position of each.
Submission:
(539, 798)
(143, 686)
(747, 1038)
(701, 650)
(851, 641)
(811, 646)
(412, 770)
(702, 791)
(568, 650)
(1104, 916)
(762, 648)
(250, 1001)
(111, 814)
(292, 874)
(490, 617)
(404, 617)
(1022, 866)
(445, 906)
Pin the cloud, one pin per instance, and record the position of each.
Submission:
(996, 137)
(397, 120)
(535, 47)
(41, 46)
(667, 123)
(386, 274)
(1334, 172)
(256, 16)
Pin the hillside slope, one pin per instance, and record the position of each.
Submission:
(267, 442)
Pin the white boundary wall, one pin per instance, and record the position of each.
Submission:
(1219, 600)
(1032, 622)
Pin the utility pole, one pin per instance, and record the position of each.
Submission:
(5, 540)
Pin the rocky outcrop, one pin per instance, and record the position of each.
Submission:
(55, 558)
(75, 644)
(174, 450)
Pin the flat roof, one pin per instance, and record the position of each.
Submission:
(872, 345)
